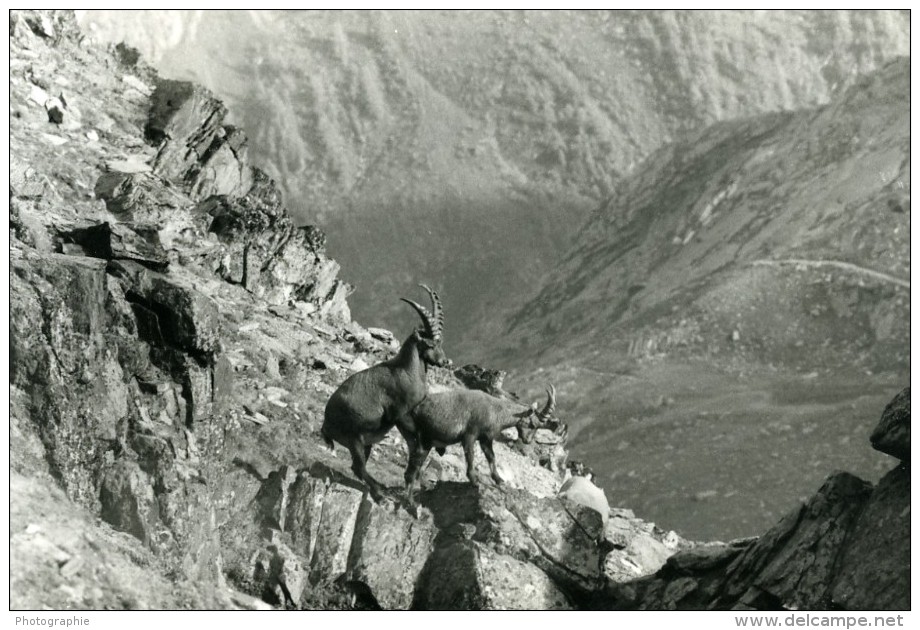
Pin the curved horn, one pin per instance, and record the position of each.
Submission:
(424, 314)
(550, 408)
(438, 312)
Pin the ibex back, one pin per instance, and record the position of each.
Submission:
(369, 403)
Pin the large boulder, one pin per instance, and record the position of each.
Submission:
(271, 257)
(195, 148)
(874, 567)
(639, 548)
(467, 575)
(139, 242)
(892, 435)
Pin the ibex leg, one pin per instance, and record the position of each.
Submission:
(414, 470)
(486, 445)
(359, 467)
(469, 449)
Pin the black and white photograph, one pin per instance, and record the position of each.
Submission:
(460, 310)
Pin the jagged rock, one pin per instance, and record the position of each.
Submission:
(129, 241)
(466, 575)
(184, 119)
(170, 313)
(639, 548)
(559, 538)
(137, 196)
(476, 377)
(380, 554)
(271, 257)
(516, 469)
(892, 435)
(791, 566)
(195, 149)
(873, 570)
(60, 353)
(128, 501)
(388, 553)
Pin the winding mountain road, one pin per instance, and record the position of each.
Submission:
(838, 264)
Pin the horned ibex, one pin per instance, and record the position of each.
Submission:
(369, 403)
(465, 416)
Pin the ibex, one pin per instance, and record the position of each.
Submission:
(370, 402)
(466, 416)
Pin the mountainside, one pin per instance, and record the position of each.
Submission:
(723, 324)
(471, 145)
(174, 337)
(790, 230)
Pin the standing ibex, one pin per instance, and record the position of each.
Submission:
(466, 416)
(369, 403)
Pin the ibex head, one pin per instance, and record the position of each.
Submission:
(548, 409)
(429, 337)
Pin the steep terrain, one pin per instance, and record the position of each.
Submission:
(472, 145)
(174, 337)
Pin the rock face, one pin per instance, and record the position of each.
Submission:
(321, 539)
(892, 435)
(116, 351)
(848, 547)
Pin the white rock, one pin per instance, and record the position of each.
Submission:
(132, 81)
(134, 164)
(38, 95)
(53, 139)
(583, 492)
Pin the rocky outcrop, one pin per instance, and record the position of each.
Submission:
(117, 352)
(120, 241)
(873, 567)
(315, 539)
(892, 435)
(847, 547)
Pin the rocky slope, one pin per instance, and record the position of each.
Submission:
(174, 338)
(474, 144)
(781, 238)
